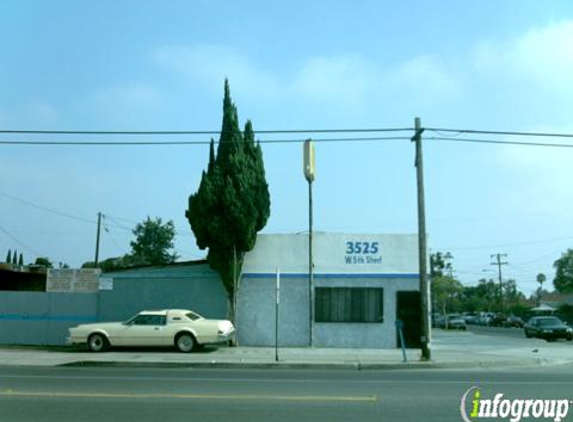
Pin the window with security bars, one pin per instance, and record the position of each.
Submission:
(349, 304)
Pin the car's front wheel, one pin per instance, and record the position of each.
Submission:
(185, 342)
(98, 343)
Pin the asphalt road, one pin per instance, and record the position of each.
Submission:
(142, 394)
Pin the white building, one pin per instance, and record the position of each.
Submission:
(362, 284)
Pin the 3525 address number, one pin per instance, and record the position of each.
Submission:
(362, 247)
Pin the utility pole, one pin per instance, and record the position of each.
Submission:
(99, 215)
(499, 263)
(422, 246)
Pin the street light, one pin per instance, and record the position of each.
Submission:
(309, 170)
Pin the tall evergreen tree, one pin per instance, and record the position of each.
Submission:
(9, 257)
(15, 257)
(232, 203)
(21, 260)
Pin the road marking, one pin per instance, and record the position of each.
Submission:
(236, 397)
(283, 381)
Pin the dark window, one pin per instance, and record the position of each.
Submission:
(149, 320)
(349, 304)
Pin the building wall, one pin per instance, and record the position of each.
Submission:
(340, 260)
(369, 335)
(257, 310)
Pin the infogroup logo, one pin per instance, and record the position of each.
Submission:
(474, 407)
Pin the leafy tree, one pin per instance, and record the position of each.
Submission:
(541, 279)
(488, 291)
(440, 263)
(152, 243)
(232, 202)
(109, 264)
(43, 261)
(563, 280)
(9, 257)
(446, 293)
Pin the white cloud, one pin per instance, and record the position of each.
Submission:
(342, 78)
(210, 64)
(347, 81)
(130, 94)
(540, 59)
(544, 174)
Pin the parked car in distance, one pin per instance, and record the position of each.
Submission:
(514, 321)
(455, 322)
(471, 318)
(485, 318)
(438, 321)
(498, 320)
(548, 328)
(178, 328)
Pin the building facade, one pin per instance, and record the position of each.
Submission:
(362, 284)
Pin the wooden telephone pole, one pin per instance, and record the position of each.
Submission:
(422, 246)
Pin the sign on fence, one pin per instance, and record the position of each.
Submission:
(83, 280)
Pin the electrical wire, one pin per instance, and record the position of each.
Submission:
(499, 142)
(182, 143)
(53, 211)
(113, 241)
(196, 132)
(18, 241)
(502, 133)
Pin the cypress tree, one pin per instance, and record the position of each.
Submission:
(232, 202)
(15, 257)
(21, 260)
(9, 257)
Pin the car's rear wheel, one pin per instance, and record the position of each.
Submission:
(185, 342)
(527, 334)
(98, 343)
(569, 337)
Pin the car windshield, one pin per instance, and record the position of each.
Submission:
(549, 321)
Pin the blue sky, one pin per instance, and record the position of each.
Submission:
(150, 65)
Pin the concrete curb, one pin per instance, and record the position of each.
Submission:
(357, 366)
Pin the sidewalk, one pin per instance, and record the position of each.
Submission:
(449, 350)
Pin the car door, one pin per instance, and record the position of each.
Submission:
(144, 330)
(536, 328)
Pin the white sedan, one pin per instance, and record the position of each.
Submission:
(181, 328)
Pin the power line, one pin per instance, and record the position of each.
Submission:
(503, 133)
(183, 143)
(282, 131)
(53, 211)
(196, 132)
(15, 239)
(500, 142)
(107, 230)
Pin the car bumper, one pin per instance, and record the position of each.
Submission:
(219, 338)
(555, 336)
(71, 341)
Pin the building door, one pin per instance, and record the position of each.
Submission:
(408, 311)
